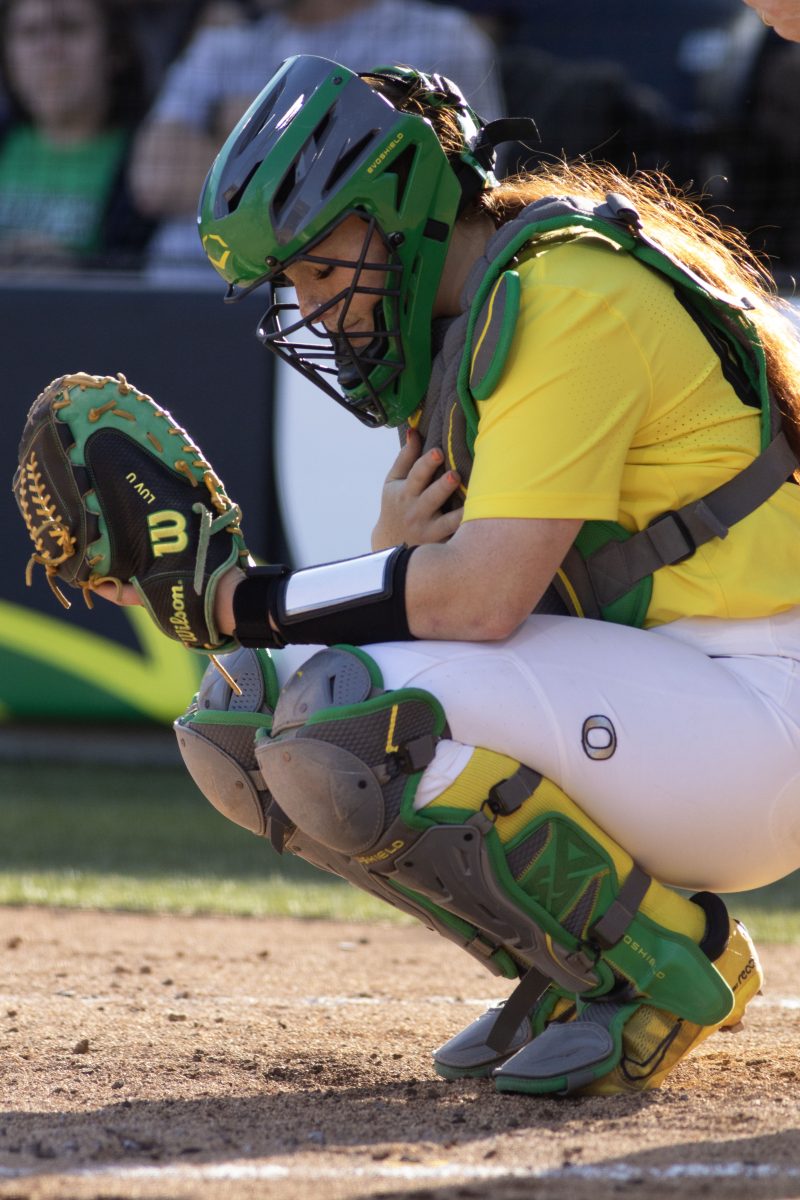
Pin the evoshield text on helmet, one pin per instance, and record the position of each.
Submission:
(318, 146)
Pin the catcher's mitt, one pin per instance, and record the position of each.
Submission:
(111, 489)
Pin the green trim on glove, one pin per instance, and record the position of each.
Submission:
(112, 489)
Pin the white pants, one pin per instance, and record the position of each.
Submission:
(683, 743)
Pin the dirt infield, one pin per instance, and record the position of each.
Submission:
(202, 1057)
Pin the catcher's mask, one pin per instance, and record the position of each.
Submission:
(320, 145)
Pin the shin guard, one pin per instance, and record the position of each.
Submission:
(500, 848)
(216, 737)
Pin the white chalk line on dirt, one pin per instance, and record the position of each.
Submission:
(790, 1003)
(266, 1002)
(613, 1172)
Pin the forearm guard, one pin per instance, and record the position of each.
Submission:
(357, 601)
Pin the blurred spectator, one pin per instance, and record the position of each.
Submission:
(782, 15)
(590, 108)
(73, 85)
(763, 159)
(210, 86)
(164, 28)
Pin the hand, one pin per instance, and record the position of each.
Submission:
(413, 499)
(127, 595)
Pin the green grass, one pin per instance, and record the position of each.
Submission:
(277, 896)
(145, 839)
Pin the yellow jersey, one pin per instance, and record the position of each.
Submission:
(613, 405)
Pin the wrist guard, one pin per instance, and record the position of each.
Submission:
(358, 601)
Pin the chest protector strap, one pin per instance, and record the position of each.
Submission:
(608, 571)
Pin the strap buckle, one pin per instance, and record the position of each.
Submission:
(416, 754)
(611, 927)
(664, 540)
(510, 794)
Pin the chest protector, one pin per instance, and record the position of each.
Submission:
(608, 571)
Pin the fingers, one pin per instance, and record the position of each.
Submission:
(424, 471)
(419, 469)
(406, 458)
(416, 517)
(124, 596)
(415, 496)
(419, 472)
(448, 523)
(438, 492)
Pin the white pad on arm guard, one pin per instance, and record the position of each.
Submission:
(329, 587)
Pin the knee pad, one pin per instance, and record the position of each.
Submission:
(500, 848)
(343, 753)
(216, 739)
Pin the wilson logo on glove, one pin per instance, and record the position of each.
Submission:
(179, 620)
(167, 532)
(87, 439)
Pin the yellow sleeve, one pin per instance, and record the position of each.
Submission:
(554, 435)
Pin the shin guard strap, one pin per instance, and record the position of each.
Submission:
(608, 930)
(510, 794)
(519, 1004)
(718, 923)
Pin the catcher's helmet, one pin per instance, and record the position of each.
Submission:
(319, 145)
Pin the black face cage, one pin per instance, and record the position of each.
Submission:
(355, 358)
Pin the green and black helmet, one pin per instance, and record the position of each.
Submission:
(317, 146)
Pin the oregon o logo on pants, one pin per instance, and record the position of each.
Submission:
(598, 737)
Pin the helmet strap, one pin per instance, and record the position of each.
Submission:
(472, 168)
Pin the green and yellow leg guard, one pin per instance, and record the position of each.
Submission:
(584, 890)
(501, 850)
(612, 1048)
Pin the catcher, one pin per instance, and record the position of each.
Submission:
(596, 394)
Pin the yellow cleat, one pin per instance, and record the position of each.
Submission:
(655, 1041)
(616, 1046)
